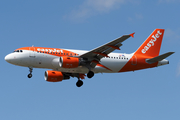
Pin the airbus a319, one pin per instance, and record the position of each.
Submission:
(66, 63)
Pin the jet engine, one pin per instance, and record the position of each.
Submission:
(69, 62)
(55, 76)
(66, 62)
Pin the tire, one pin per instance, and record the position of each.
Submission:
(90, 74)
(29, 75)
(79, 83)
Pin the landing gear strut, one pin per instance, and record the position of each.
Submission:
(30, 74)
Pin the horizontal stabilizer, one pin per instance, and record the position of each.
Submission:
(159, 58)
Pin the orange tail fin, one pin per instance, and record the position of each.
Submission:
(151, 46)
(148, 50)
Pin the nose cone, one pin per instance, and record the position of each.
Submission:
(8, 58)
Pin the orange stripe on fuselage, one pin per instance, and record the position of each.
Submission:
(140, 63)
(100, 65)
(50, 51)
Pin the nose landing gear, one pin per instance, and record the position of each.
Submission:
(30, 74)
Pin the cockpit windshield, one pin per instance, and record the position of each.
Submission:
(18, 51)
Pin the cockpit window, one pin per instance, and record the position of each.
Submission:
(18, 51)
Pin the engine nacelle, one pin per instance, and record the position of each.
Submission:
(55, 76)
(69, 62)
(66, 62)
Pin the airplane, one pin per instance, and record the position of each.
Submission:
(66, 63)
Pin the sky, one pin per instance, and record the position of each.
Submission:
(150, 94)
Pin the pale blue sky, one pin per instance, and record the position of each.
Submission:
(150, 94)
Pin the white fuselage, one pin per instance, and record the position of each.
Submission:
(114, 63)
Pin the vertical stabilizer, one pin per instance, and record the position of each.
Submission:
(151, 46)
(148, 50)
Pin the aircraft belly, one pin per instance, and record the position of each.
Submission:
(80, 69)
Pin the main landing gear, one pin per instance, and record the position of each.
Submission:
(90, 74)
(79, 83)
(30, 74)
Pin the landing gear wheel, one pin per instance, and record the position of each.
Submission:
(79, 83)
(90, 74)
(29, 75)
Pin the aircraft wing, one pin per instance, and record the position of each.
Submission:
(104, 50)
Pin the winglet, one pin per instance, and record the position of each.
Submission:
(132, 34)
